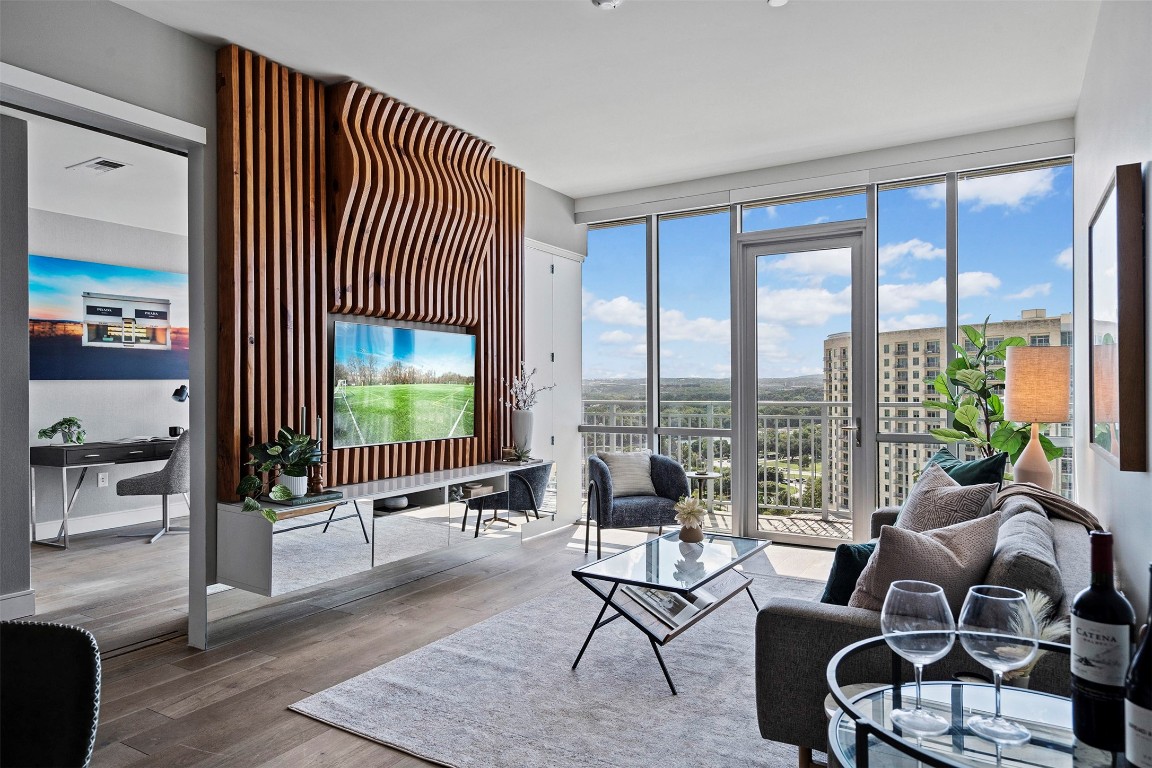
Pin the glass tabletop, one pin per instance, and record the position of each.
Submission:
(1048, 717)
(668, 563)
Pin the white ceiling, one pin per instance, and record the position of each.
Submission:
(151, 192)
(589, 101)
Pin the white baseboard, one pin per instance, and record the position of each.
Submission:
(18, 605)
(47, 529)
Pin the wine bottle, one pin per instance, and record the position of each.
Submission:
(1138, 698)
(1101, 641)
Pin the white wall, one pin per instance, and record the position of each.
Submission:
(1114, 127)
(108, 409)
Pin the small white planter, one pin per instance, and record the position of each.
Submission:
(297, 485)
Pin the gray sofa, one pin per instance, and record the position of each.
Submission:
(795, 639)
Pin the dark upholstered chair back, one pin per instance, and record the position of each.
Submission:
(525, 490)
(49, 694)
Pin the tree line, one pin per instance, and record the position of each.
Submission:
(364, 372)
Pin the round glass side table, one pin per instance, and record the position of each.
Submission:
(861, 734)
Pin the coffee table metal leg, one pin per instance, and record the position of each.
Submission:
(597, 624)
(664, 669)
(750, 597)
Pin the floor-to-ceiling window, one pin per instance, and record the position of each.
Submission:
(949, 250)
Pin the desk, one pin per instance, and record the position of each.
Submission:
(84, 457)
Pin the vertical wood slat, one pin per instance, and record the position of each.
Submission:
(272, 277)
(424, 225)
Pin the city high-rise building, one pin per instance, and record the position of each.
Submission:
(908, 361)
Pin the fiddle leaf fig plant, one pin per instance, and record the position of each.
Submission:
(69, 428)
(970, 390)
(291, 453)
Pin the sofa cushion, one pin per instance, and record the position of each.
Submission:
(1025, 556)
(847, 565)
(1072, 555)
(955, 557)
(937, 501)
(631, 473)
(989, 469)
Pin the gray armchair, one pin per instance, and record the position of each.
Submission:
(174, 477)
(525, 492)
(609, 511)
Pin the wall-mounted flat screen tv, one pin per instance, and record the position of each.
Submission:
(398, 385)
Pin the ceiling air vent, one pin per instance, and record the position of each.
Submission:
(97, 165)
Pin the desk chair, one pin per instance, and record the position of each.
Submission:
(49, 694)
(525, 492)
(175, 477)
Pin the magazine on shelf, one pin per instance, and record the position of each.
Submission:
(671, 608)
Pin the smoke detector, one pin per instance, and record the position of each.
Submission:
(97, 165)
(606, 5)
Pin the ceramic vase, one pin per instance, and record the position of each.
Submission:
(522, 430)
(691, 535)
(297, 485)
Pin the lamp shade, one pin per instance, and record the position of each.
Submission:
(1037, 386)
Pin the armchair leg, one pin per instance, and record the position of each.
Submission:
(597, 537)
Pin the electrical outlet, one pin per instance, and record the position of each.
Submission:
(102, 480)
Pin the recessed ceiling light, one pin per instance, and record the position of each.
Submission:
(777, 3)
(607, 5)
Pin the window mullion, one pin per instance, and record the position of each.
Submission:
(653, 344)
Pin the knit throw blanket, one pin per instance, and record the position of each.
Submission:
(1053, 504)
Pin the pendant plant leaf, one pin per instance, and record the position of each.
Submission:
(280, 493)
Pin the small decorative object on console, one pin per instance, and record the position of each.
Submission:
(690, 513)
(69, 428)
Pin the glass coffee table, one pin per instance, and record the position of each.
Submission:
(664, 586)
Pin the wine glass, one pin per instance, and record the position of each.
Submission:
(917, 624)
(997, 629)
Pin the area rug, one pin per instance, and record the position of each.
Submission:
(502, 692)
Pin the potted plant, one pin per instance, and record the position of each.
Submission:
(69, 428)
(690, 513)
(522, 398)
(977, 409)
(291, 455)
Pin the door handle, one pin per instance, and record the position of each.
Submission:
(854, 427)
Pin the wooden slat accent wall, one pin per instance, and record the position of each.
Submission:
(344, 200)
(272, 243)
(425, 227)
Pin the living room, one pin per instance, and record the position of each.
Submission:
(581, 207)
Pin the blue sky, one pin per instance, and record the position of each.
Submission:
(1015, 253)
(430, 350)
(55, 287)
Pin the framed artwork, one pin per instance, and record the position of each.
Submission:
(88, 320)
(1117, 364)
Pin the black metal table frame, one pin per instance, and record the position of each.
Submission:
(655, 642)
(331, 519)
(866, 726)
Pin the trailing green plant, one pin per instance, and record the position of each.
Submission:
(969, 390)
(68, 428)
(291, 453)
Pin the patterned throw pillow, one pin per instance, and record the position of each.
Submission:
(631, 473)
(937, 500)
(955, 558)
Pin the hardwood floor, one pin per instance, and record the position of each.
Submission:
(170, 705)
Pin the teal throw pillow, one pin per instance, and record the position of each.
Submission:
(847, 565)
(974, 472)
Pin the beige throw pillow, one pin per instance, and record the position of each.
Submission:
(631, 473)
(937, 500)
(955, 558)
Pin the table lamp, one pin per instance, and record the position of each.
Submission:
(1036, 391)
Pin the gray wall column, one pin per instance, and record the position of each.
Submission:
(16, 596)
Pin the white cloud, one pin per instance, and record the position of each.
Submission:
(909, 322)
(1064, 258)
(675, 326)
(1038, 289)
(616, 337)
(618, 311)
(976, 284)
(829, 262)
(1011, 190)
(916, 248)
(802, 306)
